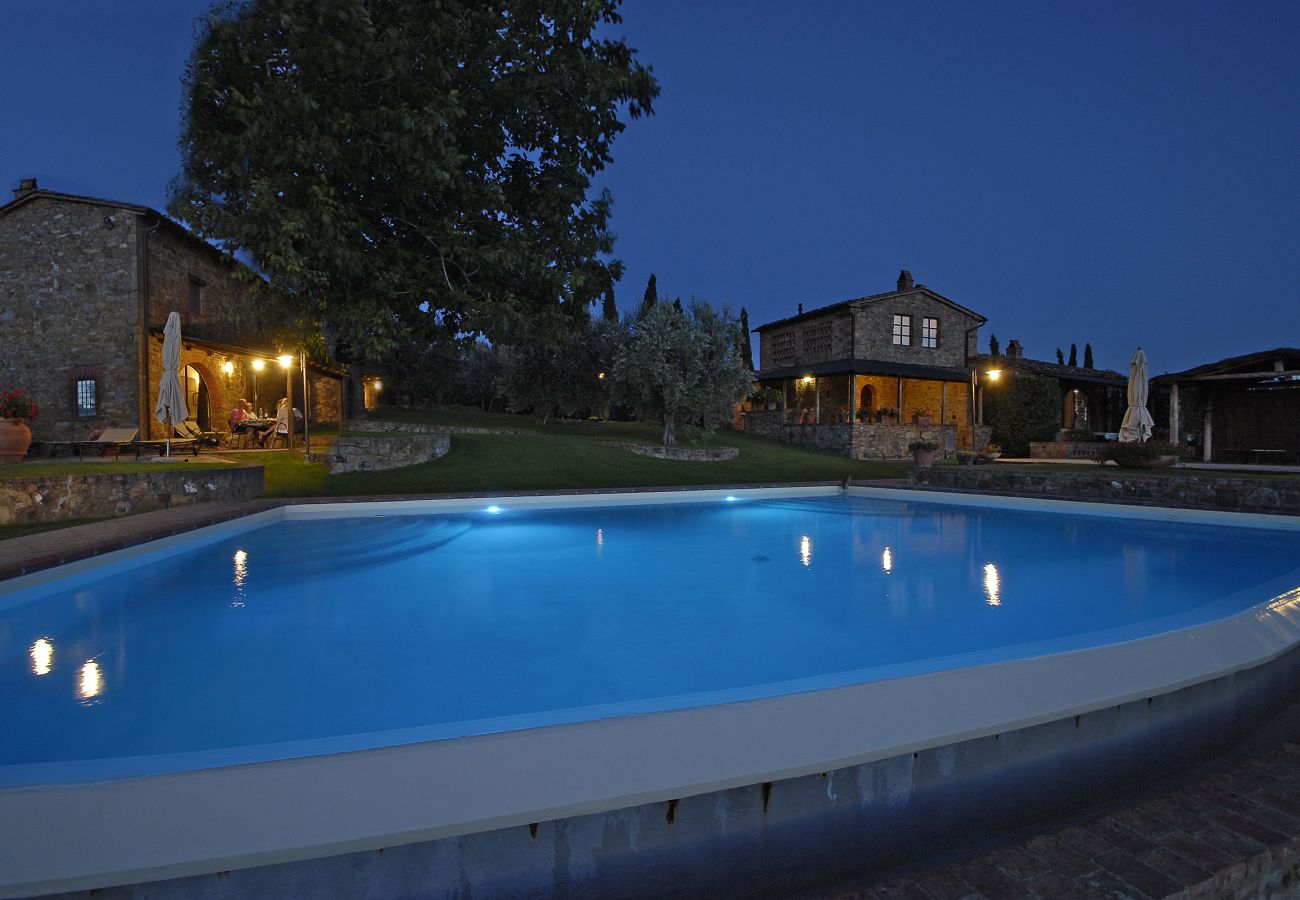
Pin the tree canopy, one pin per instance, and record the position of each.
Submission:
(682, 366)
(398, 167)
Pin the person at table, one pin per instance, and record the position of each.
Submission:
(239, 416)
(281, 425)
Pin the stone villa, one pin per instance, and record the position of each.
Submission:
(868, 376)
(85, 288)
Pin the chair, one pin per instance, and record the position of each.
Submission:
(190, 430)
(109, 438)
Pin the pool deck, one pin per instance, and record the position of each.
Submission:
(1229, 827)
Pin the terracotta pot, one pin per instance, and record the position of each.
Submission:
(15, 438)
(924, 458)
(922, 420)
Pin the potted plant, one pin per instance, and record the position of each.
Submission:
(16, 411)
(865, 415)
(990, 452)
(922, 417)
(887, 415)
(966, 457)
(923, 453)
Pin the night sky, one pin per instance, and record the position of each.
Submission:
(1109, 172)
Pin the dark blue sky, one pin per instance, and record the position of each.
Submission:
(1108, 172)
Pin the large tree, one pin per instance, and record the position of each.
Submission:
(682, 366)
(399, 166)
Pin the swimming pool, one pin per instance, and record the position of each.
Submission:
(460, 635)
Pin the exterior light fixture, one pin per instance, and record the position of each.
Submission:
(379, 385)
(601, 376)
(285, 360)
(227, 368)
(994, 374)
(259, 365)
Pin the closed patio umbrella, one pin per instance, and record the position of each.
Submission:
(170, 408)
(1136, 428)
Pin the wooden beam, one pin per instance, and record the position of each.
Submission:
(1242, 375)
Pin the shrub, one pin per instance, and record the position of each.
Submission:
(1140, 454)
(1023, 409)
(1079, 436)
(922, 446)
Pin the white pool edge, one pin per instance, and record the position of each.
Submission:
(58, 838)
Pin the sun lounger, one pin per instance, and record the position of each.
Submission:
(190, 430)
(108, 439)
(158, 448)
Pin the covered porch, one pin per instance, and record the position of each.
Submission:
(869, 411)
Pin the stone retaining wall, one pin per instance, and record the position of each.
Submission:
(860, 441)
(715, 454)
(1066, 449)
(387, 427)
(1173, 487)
(366, 453)
(52, 498)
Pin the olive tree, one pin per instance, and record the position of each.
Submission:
(682, 366)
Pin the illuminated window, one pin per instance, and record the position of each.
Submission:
(87, 398)
(929, 332)
(902, 331)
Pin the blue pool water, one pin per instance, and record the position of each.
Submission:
(342, 633)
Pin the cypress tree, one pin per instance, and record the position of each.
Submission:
(746, 346)
(677, 304)
(650, 298)
(995, 349)
(608, 308)
(1074, 355)
(1087, 356)
(1060, 357)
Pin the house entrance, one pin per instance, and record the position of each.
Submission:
(196, 398)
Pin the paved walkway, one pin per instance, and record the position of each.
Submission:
(1227, 828)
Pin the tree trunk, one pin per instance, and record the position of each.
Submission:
(670, 438)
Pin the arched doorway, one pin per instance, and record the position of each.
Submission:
(196, 398)
(867, 399)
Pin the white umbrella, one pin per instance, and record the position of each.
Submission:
(170, 408)
(1136, 427)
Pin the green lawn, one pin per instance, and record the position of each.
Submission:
(562, 455)
(95, 467)
(25, 528)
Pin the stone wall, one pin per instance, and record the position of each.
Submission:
(366, 453)
(51, 498)
(874, 331)
(69, 307)
(387, 427)
(686, 454)
(1173, 487)
(1066, 449)
(861, 441)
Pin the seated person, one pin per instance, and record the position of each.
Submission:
(239, 417)
(281, 425)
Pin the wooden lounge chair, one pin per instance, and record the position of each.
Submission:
(190, 430)
(158, 447)
(108, 439)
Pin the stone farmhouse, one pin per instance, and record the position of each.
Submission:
(1091, 399)
(85, 288)
(869, 376)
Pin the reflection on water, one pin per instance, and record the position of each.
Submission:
(241, 575)
(992, 585)
(887, 561)
(600, 537)
(91, 684)
(805, 550)
(42, 654)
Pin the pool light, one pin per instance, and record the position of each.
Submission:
(42, 654)
(494, 509)
(729, 499)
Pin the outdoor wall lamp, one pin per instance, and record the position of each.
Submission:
(228, 368)
(259, 365)
(285, 360)
(379, 385)
(994, 374)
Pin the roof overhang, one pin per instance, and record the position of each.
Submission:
(232, 350)
(865, 367)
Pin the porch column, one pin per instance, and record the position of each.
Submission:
(853, 398)
(900, 399)
(817, 401)
(1207, 444)
(1175, 435)
(943, 403)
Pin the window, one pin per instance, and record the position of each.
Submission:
(196, 296)
(929, 332)
(902, 331)
(87, 398)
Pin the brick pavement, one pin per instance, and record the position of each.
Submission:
(1229, 828)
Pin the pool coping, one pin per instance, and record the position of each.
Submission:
(68, 837)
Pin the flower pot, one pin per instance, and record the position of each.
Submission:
(990, 456)
(922, 420)
(924, 458)
(888, 420)
(15, 438)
